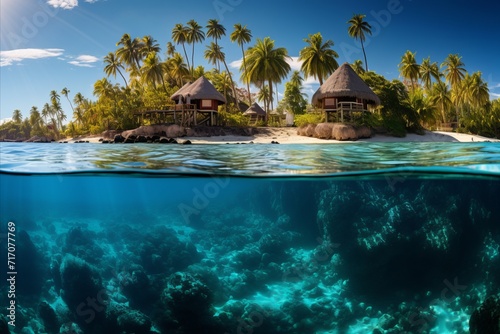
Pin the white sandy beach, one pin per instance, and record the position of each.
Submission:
(289, 136)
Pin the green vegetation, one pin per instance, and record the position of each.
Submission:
(430, 96)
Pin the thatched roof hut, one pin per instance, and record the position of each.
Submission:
(344, 85)
(255, 110)
(200, 93)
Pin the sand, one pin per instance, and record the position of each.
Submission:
(289, 136)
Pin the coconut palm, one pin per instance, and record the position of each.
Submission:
(179, 36)
(475, 90)
(454, 73)
(170, 49)
(318, 58)
(242, 35)
(214, 54)
(65, 92)
(35, 119)
(409, 68)
(358, 29)
(178, 68)
(294, 98)
(194, 35)
(130, 52)
(357, 66)
(46, 112)
(266, 64)
(264, 95)
(428, 71)
(149, 44)
(216, 31)
(454, 70)
(113, 65)
(152, 70)
(17, 116)
(441, 97)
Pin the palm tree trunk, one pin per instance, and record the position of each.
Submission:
(232, 84)
(248, 83)
(124, 80)
(271, 95)
(185, 54)
(364, 53)
(192, 62)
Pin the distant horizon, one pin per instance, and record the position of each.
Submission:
(61, 43)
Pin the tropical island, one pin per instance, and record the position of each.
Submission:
(430, 96)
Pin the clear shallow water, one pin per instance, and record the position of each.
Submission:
(248, 159)
(351, 238)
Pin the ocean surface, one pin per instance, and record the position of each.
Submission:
(230, 239)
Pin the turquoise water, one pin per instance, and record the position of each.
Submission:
(349, 238)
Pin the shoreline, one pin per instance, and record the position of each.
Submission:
(290, 136)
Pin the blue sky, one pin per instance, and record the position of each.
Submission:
(51, 44)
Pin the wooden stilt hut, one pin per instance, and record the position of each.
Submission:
(344, 94)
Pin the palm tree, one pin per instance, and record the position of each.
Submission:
(264, 95)
(149, 44)
(195, 34)
(242, 35)
(409, 68)
(178, 68)
(318, 58)
(130, 52)
(441, 98)
(56, 108)
(113, 65)
(46, 111)
(475, 90)
(357, 66)
(216, 31)
(179, 36)
(428, 71)
(17, 116)
(357, 29)
(35, 119)
(65, 92)
(266, 64)
(170, 49)
(454, 72)
(214, 54)
(152, 70)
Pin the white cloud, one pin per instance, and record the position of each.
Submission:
(5, 120)
(10, 57)
(64, 4)
(84, 61)
(295, 63)
(495, 95)
(236, 63)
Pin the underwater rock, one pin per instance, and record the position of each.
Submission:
(188, 303)
(136, 286)
(30, 266)
(4, 328)
(81, 243)
(162, 252)
(486, 319)
(405, 243)
(124, 320)
(49, 318)
(82, 291)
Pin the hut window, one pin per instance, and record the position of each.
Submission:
(329, 102)
(206, 103)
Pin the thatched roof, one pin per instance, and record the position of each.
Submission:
(180, 91)
(255, 109)
(345, 82)
(198, 90)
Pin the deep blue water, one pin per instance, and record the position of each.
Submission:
(348, 238)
